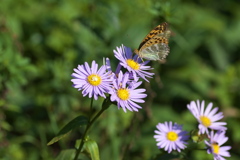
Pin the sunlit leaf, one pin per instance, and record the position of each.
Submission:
(92, 148)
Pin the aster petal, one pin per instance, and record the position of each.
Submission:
(125, 104)
(208, 109)
(125, 80)
(77, 75)
(224, 151)
(164, 127)
(134, 105)
(217, 116)
(81, 70)
(201, 107)
(140, 90)
(101, 71)
(87, 68)
(78, 72)
(124, 108)
(138, 100)
(214, 111)
(137, 84)
(218, 125)
(94, 67)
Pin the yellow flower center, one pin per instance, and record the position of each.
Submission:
(215, 148)
(205, 121)
(94, 79)
(123, 94)
(134, 65)
(172, 136)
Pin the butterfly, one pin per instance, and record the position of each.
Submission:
(155, 45)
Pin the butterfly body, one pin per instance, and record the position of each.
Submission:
(155, 45)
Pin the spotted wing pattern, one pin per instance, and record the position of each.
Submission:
(155, 45)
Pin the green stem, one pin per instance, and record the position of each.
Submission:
(91, 108)
(88, 127)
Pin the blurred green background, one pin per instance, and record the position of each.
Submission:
(42, 41)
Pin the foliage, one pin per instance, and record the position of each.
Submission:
(42, 41)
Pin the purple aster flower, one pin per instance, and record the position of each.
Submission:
(132, 64)
(171, 137)
(92, 81)
(214, 145)
(126, 94)
(207, 118)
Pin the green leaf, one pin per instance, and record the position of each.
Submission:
(92, 148)
(66, 154)
(76, 122)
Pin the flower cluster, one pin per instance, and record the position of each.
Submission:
(209, 124)
(171, 136)
(122, 86)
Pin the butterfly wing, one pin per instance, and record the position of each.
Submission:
(159, 30)
(155, 49)
(155, 45)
